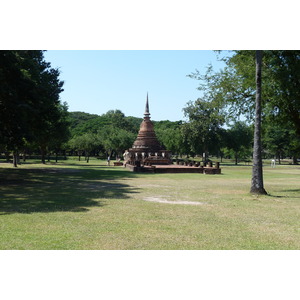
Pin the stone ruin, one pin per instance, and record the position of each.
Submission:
(146, 150)
(148, 155)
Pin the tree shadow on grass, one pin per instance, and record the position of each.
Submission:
(275, 196)
(285, 191)
(59, 189)
(292, 190)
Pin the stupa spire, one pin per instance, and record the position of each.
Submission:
(147, 113)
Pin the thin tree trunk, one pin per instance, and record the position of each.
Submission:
(295, 161)
(15, 158)
(279, 158)
(24, 155)
(7, 156)
(43, 153)
(257, 184)
(18, 158)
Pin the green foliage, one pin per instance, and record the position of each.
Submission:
(86, 142)
(230, 87)
(239, 140)
(134, 124)
(281, 141)
(284, 79)
(234, 87)
(170, 136)
(203, 129)
(16, 105)
(171, 139)
(77, 118)
(108, 139)
(30, 109)
(81, 123)
(115, 139)
(88, 124)
(111, 132)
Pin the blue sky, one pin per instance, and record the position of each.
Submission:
(100, 80)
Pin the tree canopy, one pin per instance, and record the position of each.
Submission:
(30, 108)
(234, 88)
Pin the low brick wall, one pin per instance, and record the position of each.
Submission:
(208, 170)
(179, 170)
(174, 169)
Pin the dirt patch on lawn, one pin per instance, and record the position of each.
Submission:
(161, 200)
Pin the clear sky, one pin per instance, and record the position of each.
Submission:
(100, 80)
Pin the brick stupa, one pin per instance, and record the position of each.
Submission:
(146, 150)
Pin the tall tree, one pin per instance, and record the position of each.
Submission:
(60, 132)
(49, 115)
(257, 184)
(30, 108)
(115, 139)
(234, 86)
(276, 139)
(283, 87)
(238, 139)
(172, 139)
(16, 102)
(205, 119)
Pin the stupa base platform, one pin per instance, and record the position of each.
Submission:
(173, 169)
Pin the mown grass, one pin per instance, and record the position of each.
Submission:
(75, 205)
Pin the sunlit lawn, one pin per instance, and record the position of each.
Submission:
(75, 205)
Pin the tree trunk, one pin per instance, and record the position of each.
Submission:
(43, 153)
(257, 184)
(24, 155)
(295, 161)
(15, 158)
(7, 156)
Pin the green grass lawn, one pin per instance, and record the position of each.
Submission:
(75, 205)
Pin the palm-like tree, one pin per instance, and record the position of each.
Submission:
(257, 184)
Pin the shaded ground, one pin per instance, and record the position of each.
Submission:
(57, 189)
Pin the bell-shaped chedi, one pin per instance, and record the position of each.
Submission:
(146, 139)
(146, 150)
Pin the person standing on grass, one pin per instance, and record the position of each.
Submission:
(108, 160)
